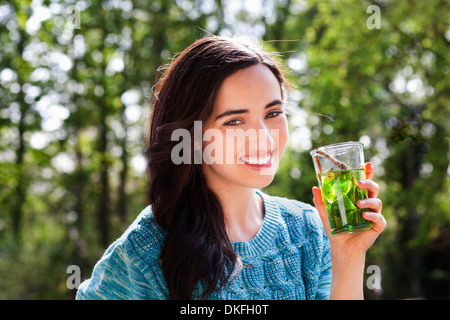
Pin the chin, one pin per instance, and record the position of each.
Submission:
(240, 175)
(263, 184)
(258, 181)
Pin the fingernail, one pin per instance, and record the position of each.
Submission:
(362, 183)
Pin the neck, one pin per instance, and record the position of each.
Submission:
(243, 210)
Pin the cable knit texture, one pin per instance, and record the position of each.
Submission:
(289, 258)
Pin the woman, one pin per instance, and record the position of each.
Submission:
(208, 232)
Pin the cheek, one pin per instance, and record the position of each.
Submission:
(219, 147)
(213, 151)
(282, 135)
(230, 148)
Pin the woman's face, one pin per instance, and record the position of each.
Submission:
(245, 137)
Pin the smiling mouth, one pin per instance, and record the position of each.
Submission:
(260, 159)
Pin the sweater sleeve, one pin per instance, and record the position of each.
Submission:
(324, 286)
(118, 275)
(315, 245)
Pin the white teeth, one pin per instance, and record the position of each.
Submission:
(256, 160)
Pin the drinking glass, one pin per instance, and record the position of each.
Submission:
(339, 167)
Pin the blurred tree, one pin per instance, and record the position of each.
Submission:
(94, 87)
(18, 70)
(388, 88)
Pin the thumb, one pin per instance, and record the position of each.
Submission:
(320, 206)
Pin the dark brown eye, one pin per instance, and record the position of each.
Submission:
(233, 122)
(274, 113)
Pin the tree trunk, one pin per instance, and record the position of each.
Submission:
(21, 186)
(122, 196)
(104, 197)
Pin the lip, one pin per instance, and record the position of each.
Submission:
(256, 166)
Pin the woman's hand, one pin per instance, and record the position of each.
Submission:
(348, 251)
(358, 242)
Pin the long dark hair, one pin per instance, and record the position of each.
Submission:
(197, 248)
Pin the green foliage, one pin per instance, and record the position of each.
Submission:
(389, 85)
(74, 102)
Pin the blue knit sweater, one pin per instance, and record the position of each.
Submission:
(289, 258)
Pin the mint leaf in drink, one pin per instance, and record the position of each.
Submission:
(328, 188)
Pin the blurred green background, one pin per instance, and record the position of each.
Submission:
(76, 79)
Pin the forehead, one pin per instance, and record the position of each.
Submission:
(248, 88)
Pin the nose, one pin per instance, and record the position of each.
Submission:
(263, 141)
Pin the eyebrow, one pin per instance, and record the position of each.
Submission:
(240, 111)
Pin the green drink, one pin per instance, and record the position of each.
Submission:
(339, 167)
(340, 192)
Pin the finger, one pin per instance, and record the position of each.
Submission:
(371, 203)
(371, 186)
(377, 219)
(369, 170)
(320, 206)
